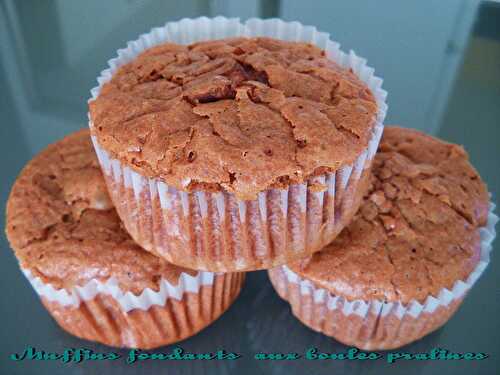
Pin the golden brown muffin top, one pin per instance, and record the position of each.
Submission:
(64, 229)
(416, 231)
(239, 114)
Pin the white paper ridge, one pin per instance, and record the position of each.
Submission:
(127, 300)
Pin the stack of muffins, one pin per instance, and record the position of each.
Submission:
(223, 147)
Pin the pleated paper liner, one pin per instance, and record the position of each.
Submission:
(273, 329)
(102, 312)
(215, 231)
(374, 324)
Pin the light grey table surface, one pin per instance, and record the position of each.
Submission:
(259, 320)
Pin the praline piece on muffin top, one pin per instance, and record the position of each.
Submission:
(95, 281)
(233, 154)
(404, 264)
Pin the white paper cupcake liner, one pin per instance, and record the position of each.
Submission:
(286, 282)
(127, 300)
(102, 312)
(216, 231)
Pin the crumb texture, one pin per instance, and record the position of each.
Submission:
(239, 114)
(64, 229)
(416, 231)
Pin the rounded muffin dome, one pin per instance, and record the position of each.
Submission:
(242, 114)
(64, 229)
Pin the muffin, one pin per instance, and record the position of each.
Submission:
(238, 153)
(95, 281)
(399, 271)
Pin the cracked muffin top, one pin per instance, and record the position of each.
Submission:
(242, 114)
(64, 229)
(416, 231)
